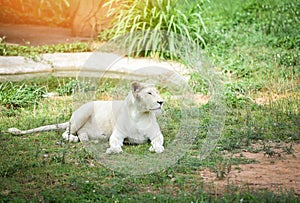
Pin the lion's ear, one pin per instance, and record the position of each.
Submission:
(136, 86)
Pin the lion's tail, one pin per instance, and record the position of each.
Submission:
(54, 127)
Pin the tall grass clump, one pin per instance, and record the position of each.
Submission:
(159, 24)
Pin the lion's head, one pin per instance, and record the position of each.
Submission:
(147, 97)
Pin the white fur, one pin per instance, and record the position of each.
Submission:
(134, 118)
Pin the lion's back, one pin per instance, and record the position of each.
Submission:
(105, 114)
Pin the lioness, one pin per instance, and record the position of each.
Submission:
(134, 118)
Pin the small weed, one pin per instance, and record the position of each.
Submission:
(288, 149)
(223, 167)
(236, 95)
(268, 151)
(14, 95)
(74, 86)
(198, 84)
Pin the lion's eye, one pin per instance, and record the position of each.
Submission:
(150, 93)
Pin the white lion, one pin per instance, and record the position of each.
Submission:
(134, 118)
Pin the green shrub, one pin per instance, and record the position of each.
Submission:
(34, 51)
(14, 96)
(49, 12)
(155, 25)
(75, 85)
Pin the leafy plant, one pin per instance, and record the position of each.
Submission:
(155, 26)
(198, 83)
(288, 149)
(13, 96)
(223, 167)
(50, 12)
(34, 51)
(75, 85)
(235, 93)
(275, 18)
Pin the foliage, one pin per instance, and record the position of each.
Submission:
(13, 96)
(256, 47)
(28, 162)
(75, 85)
(275, 23)
(275, 18)
(155, 26)
(34, 51)
(254, 44)
(49, 12)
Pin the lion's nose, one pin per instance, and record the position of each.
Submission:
(160, 102)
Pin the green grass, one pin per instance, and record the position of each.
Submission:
(35, 51)
(254, 45)
(42, 167)
(155, 27)
(258, 44)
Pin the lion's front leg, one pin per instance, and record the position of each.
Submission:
(115, 142)
(157, 143)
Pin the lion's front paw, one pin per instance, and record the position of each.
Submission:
(70, 137)
(157, 149)
(114, 150)
(73, 138)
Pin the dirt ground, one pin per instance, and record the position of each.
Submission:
(277, 173)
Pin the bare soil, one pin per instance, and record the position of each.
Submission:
(279, 172)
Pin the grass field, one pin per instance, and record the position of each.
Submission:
(253, 44)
